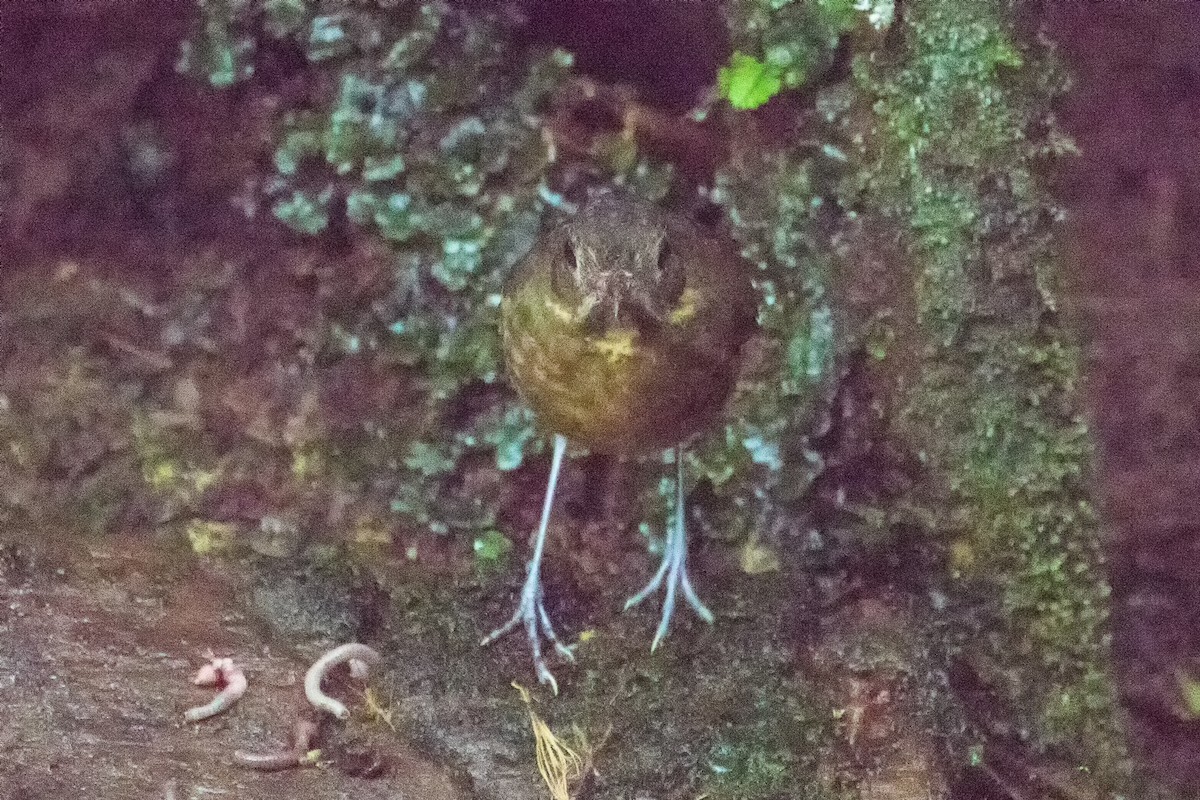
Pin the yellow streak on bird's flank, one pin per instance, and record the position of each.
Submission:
(687, 307)
(616, 345)
(561, 311)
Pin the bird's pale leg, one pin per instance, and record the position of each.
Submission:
(674, 566)
(530, 609)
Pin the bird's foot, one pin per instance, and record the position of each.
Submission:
(531, 613)
(672, 571)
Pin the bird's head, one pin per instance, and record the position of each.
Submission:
(615, 264)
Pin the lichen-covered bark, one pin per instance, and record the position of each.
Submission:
(964, 143)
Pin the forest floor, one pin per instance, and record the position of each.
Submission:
(136, 313)
(95, 672)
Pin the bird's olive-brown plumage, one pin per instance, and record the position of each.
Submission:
(623, 327)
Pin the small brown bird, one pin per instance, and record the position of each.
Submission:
(623, 330)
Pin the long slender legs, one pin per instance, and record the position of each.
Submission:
(530, 610)
(674, 567)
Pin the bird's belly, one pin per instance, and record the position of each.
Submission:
(614, 394)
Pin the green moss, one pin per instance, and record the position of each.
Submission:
(778, 200)
(965, 128)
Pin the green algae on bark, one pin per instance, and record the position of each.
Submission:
(965, 135)
(420, 131)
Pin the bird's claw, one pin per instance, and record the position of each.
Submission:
(674, 574)
(531, 614)
(530, 611)
(544, 675)
(673, 569)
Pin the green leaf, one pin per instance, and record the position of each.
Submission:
(491, 547)
(355, 130)
(297, 145)
(429, 459)
(327, 38)
(382, 168)
(304, 212)
(282, 18)
(219, 55)
(808, 349)
(362, 205)
(460, 259)
(510, 436)
(747, 82)
(412, 46)
(396, 219)
(842, 14)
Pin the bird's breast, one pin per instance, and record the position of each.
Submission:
(616, 390)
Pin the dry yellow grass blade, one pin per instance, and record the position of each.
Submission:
(557, 763)
(379, 711)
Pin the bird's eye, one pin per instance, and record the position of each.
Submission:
(670, 273)
(570, 260)
(564, 273)
(665, 257)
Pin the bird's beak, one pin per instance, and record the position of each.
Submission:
(617, 304)
(586, 310)
(599, 312)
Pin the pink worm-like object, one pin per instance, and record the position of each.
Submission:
(353, 652)
(302, 738)
(267, 762)
(220, 672)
